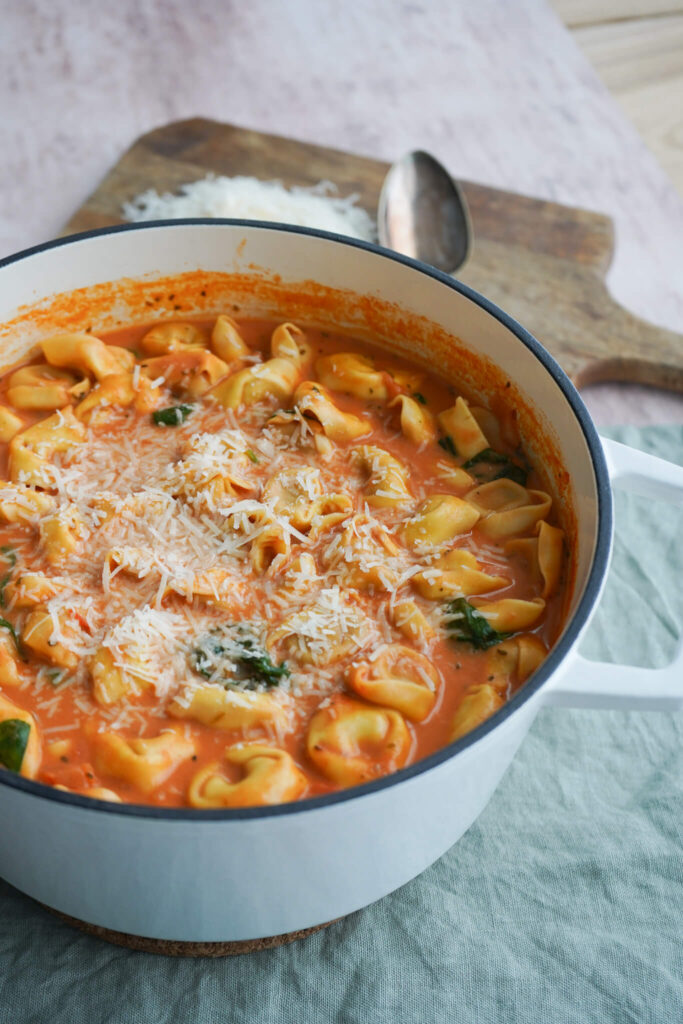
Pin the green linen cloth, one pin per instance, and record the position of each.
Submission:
(563, 903)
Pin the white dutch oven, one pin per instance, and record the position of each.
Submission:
(243, 874)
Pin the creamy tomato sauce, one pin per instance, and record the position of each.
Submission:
(157, 507)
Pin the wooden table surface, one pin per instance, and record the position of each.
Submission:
(500, 91)
(636, 46)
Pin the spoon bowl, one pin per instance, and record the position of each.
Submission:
(422, 213)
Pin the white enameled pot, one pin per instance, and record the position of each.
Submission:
(244, 874)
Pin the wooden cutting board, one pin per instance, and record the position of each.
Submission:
(543, 263)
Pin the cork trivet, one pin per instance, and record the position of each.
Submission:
(167, 947)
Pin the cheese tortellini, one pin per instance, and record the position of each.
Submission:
(276, 378)
(225, 708)
(269, 776)
(386, 484)
(350, 742)
(399, 678)
(31, 450)
(143, 763)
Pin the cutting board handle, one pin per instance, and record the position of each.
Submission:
(639, 352)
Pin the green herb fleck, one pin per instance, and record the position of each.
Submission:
(447, 444)
(470, 626)
(231, 656)
(491, 458)
(56, 675)
(485, 455)
(13, 742)
(252, 455)
(17, 643)
(419, 397)
(173, 416)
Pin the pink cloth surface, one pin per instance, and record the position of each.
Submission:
(498, 91)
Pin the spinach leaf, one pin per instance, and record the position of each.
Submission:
(261, 663)
(13, 742)
(485, 455)
(173, 416)
(491, 458)
(470, 626)
(231, 656)
(447, 444)
(419, 397)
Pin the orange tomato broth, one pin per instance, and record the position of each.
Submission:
(458, 664)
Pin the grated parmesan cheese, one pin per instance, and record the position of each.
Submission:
(319, 206)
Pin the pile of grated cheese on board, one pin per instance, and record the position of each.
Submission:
(319, 206)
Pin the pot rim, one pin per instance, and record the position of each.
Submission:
(572, 628)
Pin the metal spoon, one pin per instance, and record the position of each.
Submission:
(422, 213)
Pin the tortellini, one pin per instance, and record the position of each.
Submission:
(270, 544)
(218, 587)
(387, 480)
(213, 468)
(544, 553)
(299, 576)
(459, 424)
(264, 535)
(88, 354)
(20, 503)
(189, 373)
(438, 520)
(226, 340)
(350, 742)
(143, 763)
(62, 532)
(276, 378)
(118, 390)
(324, 632)
(352, 373)
(31, 450)
(411, 621)
(417, 423)
(316, 404)
(116, 677)
(456, 574)
(9, 674)
(514, 661)
(507, 508)
(225, 708)
(362, 555)
(173, 337)
(510, 614)
(269, 776)
(45, 387)
(298, 495)
(10, 424)
(398, 678)
(479, 703)
(39, 636)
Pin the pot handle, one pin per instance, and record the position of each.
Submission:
(596, 684)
